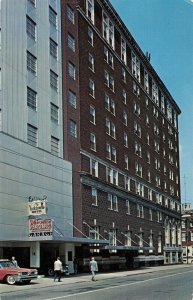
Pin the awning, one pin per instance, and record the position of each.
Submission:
(80, 240)
(110, 247)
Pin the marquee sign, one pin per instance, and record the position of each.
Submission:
(40, 229)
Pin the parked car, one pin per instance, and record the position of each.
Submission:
(11, 274)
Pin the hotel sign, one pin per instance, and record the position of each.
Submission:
(37, 207)
(40, 229)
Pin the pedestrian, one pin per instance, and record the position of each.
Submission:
(57, 269)
(75, 263)
(14, 261)
(93, 268)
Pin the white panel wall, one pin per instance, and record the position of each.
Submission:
(27, 171)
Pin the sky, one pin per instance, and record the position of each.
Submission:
(164, 28)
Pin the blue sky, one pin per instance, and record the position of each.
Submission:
(164, 28)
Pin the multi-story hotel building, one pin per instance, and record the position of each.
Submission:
(121, 135)
(89, 155)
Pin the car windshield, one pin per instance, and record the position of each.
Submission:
(6, 264)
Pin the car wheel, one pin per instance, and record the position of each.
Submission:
(51, 272)
(10, 279)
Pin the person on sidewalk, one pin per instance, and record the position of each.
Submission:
(93, 268)
(57, 269)
(75, 263)
(14, 261)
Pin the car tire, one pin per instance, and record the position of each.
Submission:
(10, 279)
(51, 272)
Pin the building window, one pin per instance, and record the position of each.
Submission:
(138, 150)
(92, 141)
(110, 128)
(72, 128)
(90, 10)
(112, 176)
(162, 103)
(109, 104)
(135, 66)
(140, 211)
(146, 81)
(136, 108)
(113, 202)
(91, 88)
(109, 80)
(71, 70)
(70, 14)
(138, 169)
(94, 167)
(150, 214)
(52, 17)
(54, 80)
(149, 176)
(54, 146)
(94, 196)
(125, 118)
(54, 113)
(127, 207)
(155, 92)
(136, 89)
(137, 129)
(124, 94)
(71, 42)
(92, 114)
(123, 51)
(53, 49)
(123, 75)
(139, 188)
(126, 161)
(32, 135)
(148, 157)
(125, 140)
(31, 28)
(148, 139)
(150, 193)
(127, 183)
(108, 30)
(31, 98)
(72, 98)
(31, 63)
(108, 57)
(90, 36)
(111, 152)
(91, 61)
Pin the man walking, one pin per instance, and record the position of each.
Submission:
(57, 269)
(93, 268)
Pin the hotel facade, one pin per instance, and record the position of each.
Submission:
(89, 140)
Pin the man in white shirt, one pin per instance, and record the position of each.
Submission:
(57, 269)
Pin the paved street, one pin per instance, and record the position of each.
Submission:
(158, 283)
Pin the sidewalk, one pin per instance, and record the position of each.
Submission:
(42, 282)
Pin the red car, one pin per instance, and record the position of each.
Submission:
(10, 274)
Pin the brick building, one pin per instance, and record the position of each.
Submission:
(187, 233)
(121, 126)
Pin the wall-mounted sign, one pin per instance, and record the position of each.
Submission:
(40, 229)
(37, 207)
